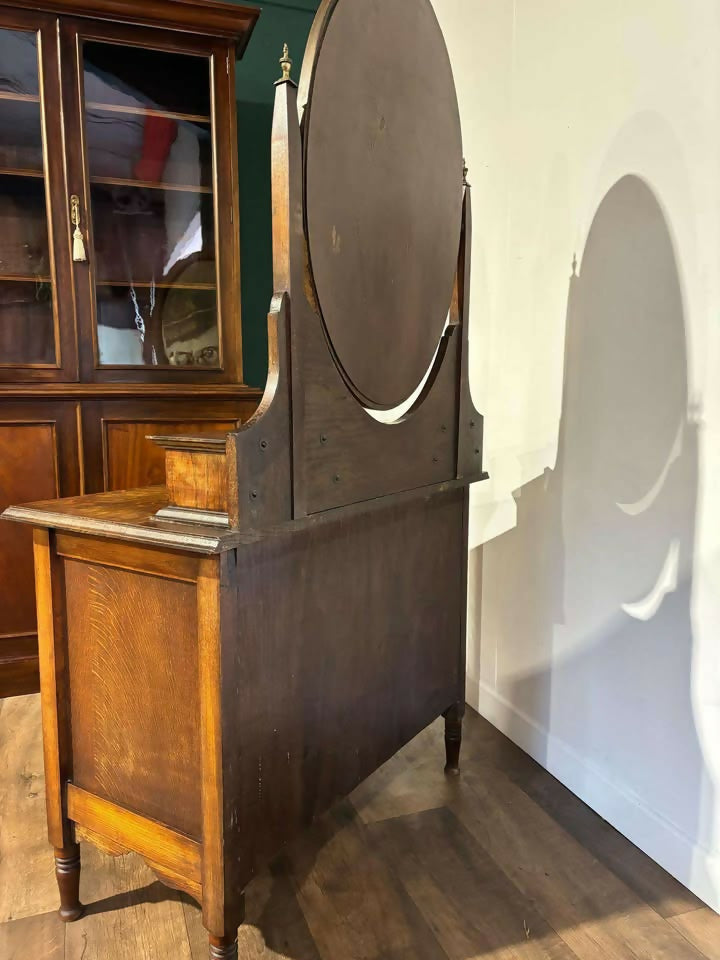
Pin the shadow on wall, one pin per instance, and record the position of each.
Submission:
(588, 600)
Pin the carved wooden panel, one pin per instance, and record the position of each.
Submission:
(132, 642)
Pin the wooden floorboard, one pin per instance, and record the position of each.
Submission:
(502, 863)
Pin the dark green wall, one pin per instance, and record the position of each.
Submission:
(280, 22)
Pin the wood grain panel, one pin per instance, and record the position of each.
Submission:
(345, 646)
(197, 480)
(118, 455)
(38, 458)
(150, 839)
(134, 691)
(131, 460)
(110, 553)
(28, 471)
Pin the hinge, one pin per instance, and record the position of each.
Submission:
(227, 64)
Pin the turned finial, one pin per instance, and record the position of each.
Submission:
(286, 64)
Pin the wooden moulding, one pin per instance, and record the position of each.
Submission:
(196, 470)
(211, 18)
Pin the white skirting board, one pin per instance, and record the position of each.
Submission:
(694, 866)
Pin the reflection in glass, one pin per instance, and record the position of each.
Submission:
(19, 71)
(27, 329)
(149, 143)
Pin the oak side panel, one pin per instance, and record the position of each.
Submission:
(347, 644)
(134, 691)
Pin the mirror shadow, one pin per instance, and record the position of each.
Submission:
(587, 602)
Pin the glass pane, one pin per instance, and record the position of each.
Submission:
(149, 143)
(19, 75)
(26, 323)
(27, 328)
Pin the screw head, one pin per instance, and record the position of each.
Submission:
(472, 423)
(253, 494)
(336, 478)
(263, 444)
(435, 459)
(443, 428)
(323, 438)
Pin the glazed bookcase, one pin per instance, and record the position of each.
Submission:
(119, 257)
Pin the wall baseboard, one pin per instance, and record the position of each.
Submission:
(694, 866)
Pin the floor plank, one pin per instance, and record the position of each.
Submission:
(355, 908)
(24, 847)
(411, 782)
(472, 907)
(502, 863)
(702, 928)
(649, 881)
(596, 914)
(41, 937)
(130, 914)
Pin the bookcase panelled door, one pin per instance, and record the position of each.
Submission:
(119, 257)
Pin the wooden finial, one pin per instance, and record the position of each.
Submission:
(286, 64)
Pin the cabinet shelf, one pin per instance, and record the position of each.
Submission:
(19, 97)
(147, 112)
(160, 284)
(149, 185)
(21, 172)
(24, 278)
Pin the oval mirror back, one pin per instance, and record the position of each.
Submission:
(383, 190)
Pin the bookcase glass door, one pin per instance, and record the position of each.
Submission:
(27, 313)
(149, 155)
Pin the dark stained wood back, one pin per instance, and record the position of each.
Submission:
(382, 190)
(371, 240)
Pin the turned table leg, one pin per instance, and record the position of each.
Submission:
(223, 948)
(453, 738)
(226, 947)
(67, 872)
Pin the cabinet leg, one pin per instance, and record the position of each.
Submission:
(223, 948)
(67, 872)
(226, 947)
(453, 738)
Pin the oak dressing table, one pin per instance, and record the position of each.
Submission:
(224, 657)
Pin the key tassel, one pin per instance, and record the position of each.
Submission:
(79, 254)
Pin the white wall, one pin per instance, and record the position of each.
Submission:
(593, 129)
